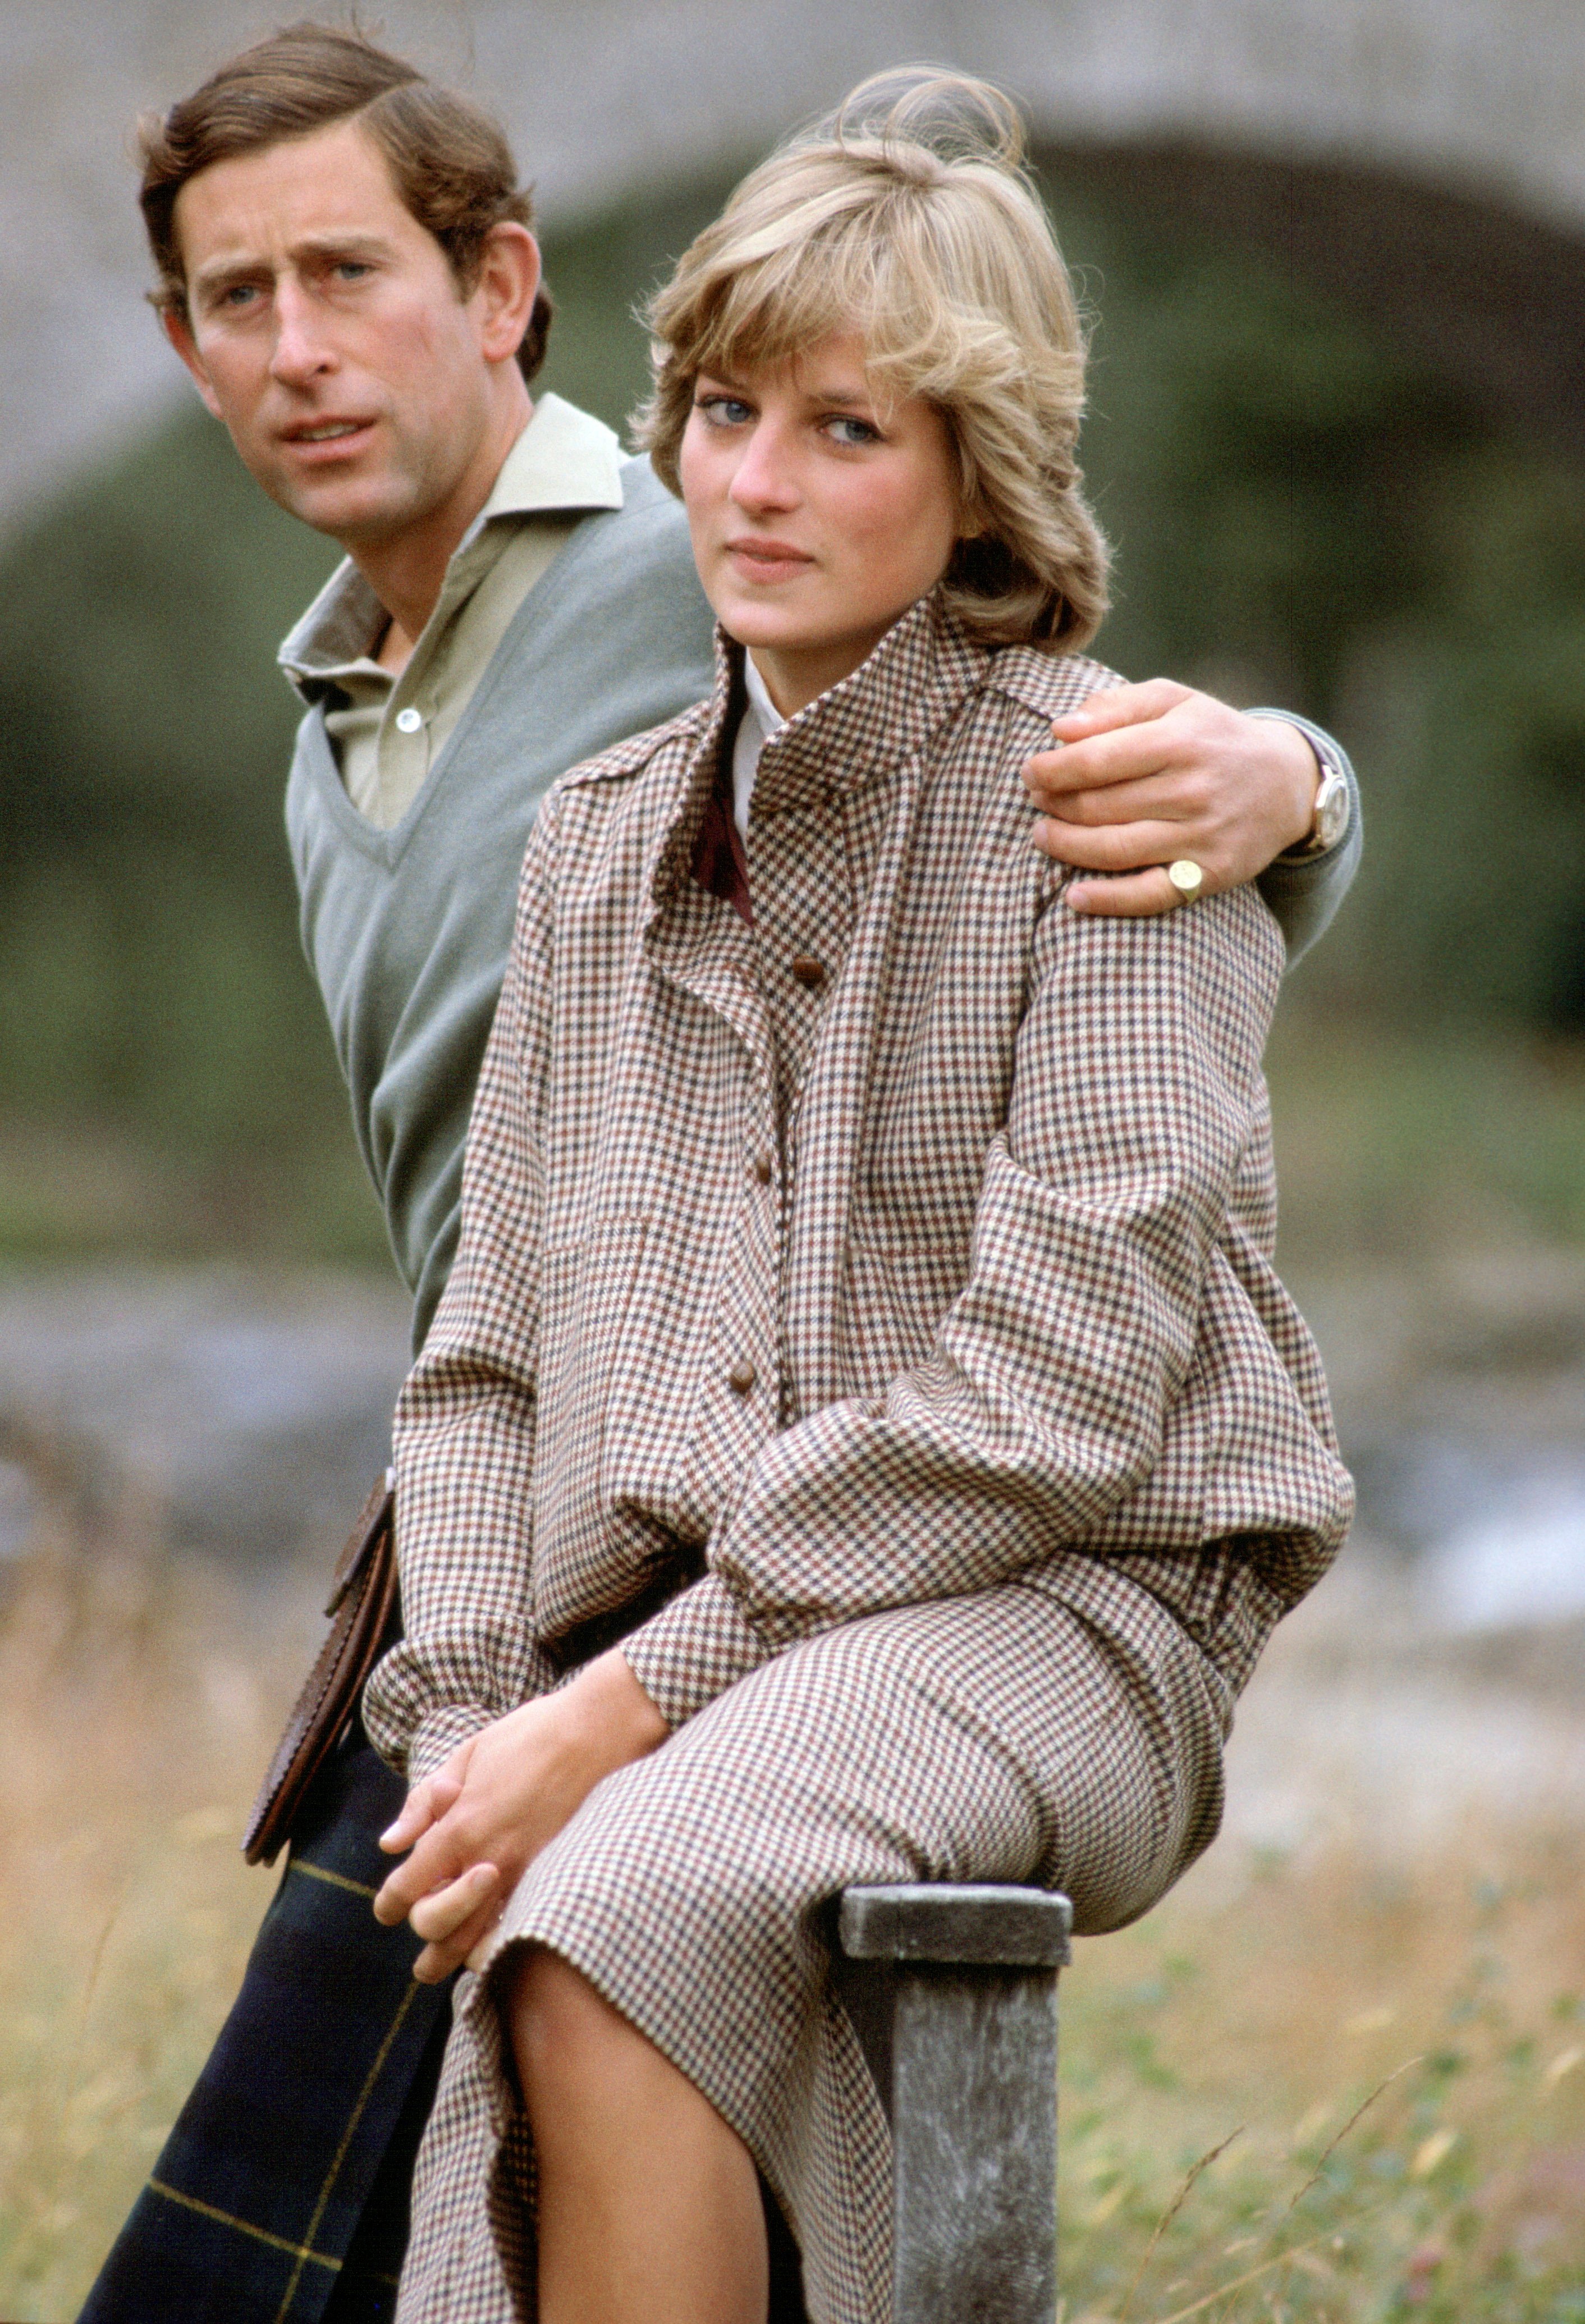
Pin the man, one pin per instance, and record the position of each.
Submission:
(346, 269)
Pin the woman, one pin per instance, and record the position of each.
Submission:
(863, 1368)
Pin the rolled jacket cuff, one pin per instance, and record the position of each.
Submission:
(437, 1736)
(698, 1645)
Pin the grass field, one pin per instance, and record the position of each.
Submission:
(1387, 2071)
(1247, 2020)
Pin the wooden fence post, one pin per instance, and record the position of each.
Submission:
(953, 1993)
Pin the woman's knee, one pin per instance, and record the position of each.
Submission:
(565, 2035)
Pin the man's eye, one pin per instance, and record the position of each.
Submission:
(845, 429)
(352, 269)
(238, 294)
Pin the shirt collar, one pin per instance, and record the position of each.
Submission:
(768, 717)
(564, 460)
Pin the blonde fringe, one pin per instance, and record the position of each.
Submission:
(908, 217)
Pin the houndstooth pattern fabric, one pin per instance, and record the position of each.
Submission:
(992, 1279)
(993, 1738)
(891, 1280)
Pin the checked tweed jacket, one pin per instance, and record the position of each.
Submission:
(912, 1239)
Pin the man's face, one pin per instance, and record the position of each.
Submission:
(326, 330)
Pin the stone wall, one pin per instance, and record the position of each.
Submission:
(1479, 98)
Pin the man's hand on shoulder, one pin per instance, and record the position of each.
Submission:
(1144, 775)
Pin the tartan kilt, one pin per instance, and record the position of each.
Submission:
(281, 2194)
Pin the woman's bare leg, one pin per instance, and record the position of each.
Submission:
(648, 2205)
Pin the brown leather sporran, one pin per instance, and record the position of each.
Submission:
(362, 1602)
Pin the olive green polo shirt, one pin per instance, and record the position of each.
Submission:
(388, 731)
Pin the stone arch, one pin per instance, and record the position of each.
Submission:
(1471, 287)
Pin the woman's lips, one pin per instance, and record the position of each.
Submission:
(767, 560)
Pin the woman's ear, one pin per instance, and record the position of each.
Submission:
(973, 517)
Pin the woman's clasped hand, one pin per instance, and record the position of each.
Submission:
(479, 1821)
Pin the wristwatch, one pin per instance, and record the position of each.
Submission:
(1332, 815)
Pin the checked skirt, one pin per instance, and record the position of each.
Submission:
(999, 1737)
(283, 2194)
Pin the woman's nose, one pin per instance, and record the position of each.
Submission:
(763, 477)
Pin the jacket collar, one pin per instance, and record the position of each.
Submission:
(913, 682)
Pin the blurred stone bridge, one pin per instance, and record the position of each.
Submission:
(1423, 159)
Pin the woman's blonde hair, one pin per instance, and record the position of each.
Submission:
(910, 218)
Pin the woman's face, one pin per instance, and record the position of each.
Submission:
(818, 516)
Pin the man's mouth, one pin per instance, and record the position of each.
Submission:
(326, 431)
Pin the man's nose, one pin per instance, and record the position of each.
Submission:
(303, 349)
(764, 478)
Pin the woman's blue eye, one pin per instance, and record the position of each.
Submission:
(726, 411)
(845, 429)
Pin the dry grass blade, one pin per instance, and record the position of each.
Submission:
(1170, 2213)
(1223, 2290)
(126, 1931)
(95, 1963)
(1276, 2259)
(1360, 2110)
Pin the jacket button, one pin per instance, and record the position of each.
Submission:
(741, 1376)
(809, 971)
(761, 1166)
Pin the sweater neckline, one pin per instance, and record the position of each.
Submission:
(387, 847)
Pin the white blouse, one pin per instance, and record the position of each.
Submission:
(762, 721)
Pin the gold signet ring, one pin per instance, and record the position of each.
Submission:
(1186, 877)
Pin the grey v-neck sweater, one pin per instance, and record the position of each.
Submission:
(408, 930)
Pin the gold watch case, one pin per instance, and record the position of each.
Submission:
(1331, 811)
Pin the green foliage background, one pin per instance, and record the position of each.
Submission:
(1300, 517)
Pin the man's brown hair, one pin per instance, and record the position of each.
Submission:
(450, 163)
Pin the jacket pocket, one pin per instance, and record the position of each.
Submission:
(896, 1296)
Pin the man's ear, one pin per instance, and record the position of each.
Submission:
(179, 331)
(509, 280)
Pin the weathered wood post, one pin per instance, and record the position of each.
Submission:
(953, 1993)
